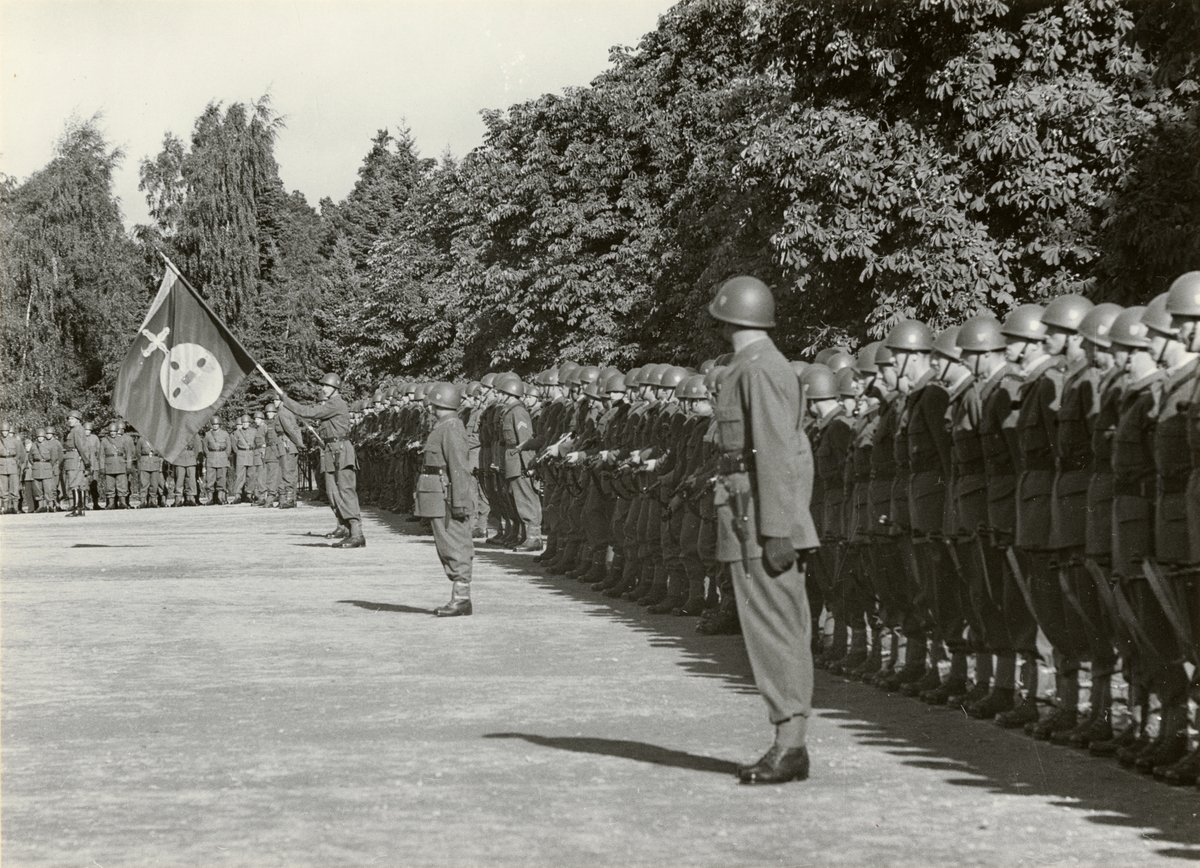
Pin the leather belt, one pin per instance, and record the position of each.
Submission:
(741, 463)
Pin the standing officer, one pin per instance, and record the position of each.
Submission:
(150, 465)
(41, 470)
(258, 472)
(77, 462)
(95, 477)
(516, 428)
(12, 457)
(55, 449)
(216, 460)
(338, 460)
(243, 446)
(762, 495)
(444, 495)
(116, 468)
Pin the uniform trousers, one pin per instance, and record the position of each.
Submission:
(151, 482)
(272, 477)
(216, 479)
(185, 480)
(116, 484)
(340, 488)
(525, 500)
(10, 488)
(452, 537)
(777, 628)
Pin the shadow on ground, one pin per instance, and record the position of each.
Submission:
(970, 753)
(389, 607)
(633, 750)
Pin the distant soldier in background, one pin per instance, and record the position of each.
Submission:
(116, 468)
(96, 475)
(41, 471)
(150, 476)
(12, 458)
(77, 462)
(54, 485)
(184, 470)
(243, 448)
(258, 484)
(216, 461)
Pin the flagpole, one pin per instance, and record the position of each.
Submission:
(212, 313)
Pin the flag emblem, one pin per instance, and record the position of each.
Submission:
(190, 376)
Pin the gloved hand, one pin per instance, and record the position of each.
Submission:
(778, 555)
(459, 513)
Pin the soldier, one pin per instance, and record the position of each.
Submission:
(473, 404)
(41, 471)
(116, 468)
(444, 495)
(339, 463)
(291, 441)
(77, 463)
(150, 475)
(258, 480)
(130, 440)
(271, 478)
(762, 496)
(55, 449)
(516, 428)
(95, 477)
(1183, 304)
(217, 447)
(184, 471)
(12, 459)
(243, 449)
(983, 427)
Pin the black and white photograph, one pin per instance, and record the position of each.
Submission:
(599, 433)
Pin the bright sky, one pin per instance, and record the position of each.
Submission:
(337, 70)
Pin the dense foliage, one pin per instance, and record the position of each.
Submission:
(871, 160)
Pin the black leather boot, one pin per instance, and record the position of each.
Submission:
(460, 602)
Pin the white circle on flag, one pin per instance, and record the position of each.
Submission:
(191, 377)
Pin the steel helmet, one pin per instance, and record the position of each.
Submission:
(818, 383)
(652, 375)
(1157, 319)
(1024, 323)
(510, 384)
(980, 334)
(839, 360)
(543, 378)
(692, 389)
(945, 343)
(744, 301)
(6, 427)
(1183, 298)
(40, 432)
(713, 378)
(910, 336)
(1066, 312)
(75, 414)
(87, 426)
(1097, 321)
(847, 382)
(330, 379)
(410, 390)
(593, 391)
(112, 426)
(488, 380)
(258, 414)
(798, 367)
(884, 357)
(633, 378)
(826, 354)
(707, 365)
(672, 377)
(615, 382)
(564, 371)
(1128, 331)
(51, 431)
(421, 391)
(865, 363)
(589, 374)
(447, 396)
(473, 389)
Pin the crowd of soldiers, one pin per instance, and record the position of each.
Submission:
(975, 488)
(257, 461)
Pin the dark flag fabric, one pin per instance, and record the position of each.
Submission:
(183, 365)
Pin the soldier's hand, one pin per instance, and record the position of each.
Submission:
(778, 555)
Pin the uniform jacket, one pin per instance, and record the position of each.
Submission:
(759, 418)
(216, 448)
(243, 445)
(115, 455)
(446, 450)
(12, 454)
(515, 428)
(148, 459)
(187, 455)
(332, 418)
(77, 455)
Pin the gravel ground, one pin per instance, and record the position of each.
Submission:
(212, 687)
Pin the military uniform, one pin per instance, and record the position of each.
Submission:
(217, 447)
(339, 463)
(12, 459)
(116, 470)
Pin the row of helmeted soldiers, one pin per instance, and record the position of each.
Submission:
(255, 461)
(975, 488)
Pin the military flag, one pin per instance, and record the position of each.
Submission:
(183, 365)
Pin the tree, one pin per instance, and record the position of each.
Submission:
(71, 281)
